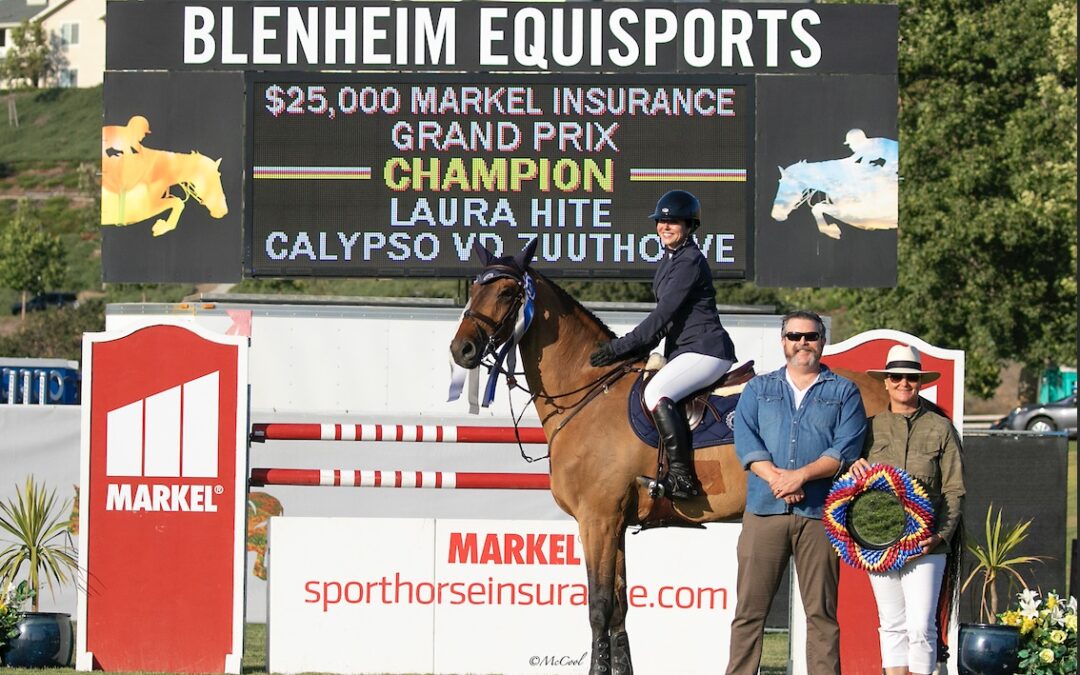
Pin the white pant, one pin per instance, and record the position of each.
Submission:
(907, 601)
(682, 376)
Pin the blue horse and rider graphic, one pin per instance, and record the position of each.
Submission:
(859, 190)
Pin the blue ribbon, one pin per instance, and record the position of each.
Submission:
(525, 317)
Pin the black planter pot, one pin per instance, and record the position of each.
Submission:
(987, 649)
(45, 639)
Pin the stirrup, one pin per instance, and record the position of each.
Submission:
(655, 488)
(659, 488)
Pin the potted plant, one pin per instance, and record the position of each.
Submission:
(1047, 633)
(38, 538)
(990, 647)
(11, 602)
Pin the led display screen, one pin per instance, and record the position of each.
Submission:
(398, 175)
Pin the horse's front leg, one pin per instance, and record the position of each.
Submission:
(600, 540)
(826, 228)
(620, 642)
(161, 226)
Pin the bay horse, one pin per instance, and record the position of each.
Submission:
(136, 183)
(595, 456)
(861, 195)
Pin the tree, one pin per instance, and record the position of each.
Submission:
(987, 243)
(29, 57)
(31, 260)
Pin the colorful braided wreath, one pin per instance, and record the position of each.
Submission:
(919, 518)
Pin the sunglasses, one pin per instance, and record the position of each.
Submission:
(910, 377)
(810, 337)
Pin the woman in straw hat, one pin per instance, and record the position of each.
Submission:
(910, 435)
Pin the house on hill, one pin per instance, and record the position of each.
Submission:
(76, 30)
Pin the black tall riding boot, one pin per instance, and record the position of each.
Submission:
(679, 482)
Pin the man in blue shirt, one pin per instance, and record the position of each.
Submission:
(795, 428)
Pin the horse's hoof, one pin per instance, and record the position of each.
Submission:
(830, 230)
(620, 655)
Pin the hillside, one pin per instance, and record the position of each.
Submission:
(56, 126)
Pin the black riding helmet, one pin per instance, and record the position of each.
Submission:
(679, 204)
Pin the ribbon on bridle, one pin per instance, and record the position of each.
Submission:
(506, 353)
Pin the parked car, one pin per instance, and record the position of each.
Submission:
(45, 300)
(1042, 417)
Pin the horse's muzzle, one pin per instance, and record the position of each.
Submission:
(466, 353)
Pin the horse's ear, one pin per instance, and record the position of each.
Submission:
(483, 255)
(524, 259)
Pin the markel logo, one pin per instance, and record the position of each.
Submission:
(508, 548)
(172, 434)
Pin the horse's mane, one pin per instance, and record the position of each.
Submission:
(569, 299)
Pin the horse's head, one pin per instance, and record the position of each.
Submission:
(494, 299)
(206, 186)
(790, 192)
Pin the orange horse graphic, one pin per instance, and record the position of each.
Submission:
(137, 181)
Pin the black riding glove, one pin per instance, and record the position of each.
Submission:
(603, 356)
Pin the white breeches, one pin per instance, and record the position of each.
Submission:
(907, 601)
(683, 375)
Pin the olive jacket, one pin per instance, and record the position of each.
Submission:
(927, 447)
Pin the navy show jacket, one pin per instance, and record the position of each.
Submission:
(685, 310)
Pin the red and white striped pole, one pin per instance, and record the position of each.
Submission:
(402, 433)
(438, 480)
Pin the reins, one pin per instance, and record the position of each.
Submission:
(592, 389)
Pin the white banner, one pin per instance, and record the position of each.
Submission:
(356, 595)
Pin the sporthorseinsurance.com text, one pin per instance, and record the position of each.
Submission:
(394, 590)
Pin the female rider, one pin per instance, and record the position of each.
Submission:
(698, 349)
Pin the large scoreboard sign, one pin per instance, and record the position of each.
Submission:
(354, 175)
(285, 138)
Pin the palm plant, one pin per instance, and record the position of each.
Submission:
(996, 559)
(42, 540)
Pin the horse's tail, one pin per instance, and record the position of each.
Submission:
(949, 598)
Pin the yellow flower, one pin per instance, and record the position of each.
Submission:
(1026, 626)
(1011, 618)
(1057, 636)
(1051, 600)
(1046, 656)
(1070, 622)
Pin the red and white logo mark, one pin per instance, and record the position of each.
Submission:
(172, 434)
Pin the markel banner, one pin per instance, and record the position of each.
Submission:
(370, 595)
(163, 475)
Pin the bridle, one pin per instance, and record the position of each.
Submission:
(491, 339)
(492, 343)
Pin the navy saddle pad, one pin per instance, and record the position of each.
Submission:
(711, 431)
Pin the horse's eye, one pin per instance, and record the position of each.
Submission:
(508, 293)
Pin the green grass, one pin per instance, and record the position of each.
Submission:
(55, 125)
(773, 660)
(876, 517)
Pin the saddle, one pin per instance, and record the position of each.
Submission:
(716, 428)
(695, 405)
(710, 412)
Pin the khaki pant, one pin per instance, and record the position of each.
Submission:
(765, 545)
